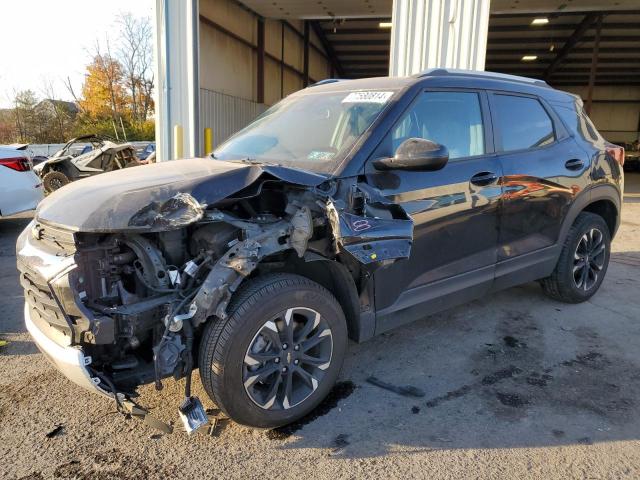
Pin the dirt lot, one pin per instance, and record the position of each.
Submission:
(516, 386)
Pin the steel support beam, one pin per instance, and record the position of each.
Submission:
(260, 62)
(571, 42)
(305, 61)
(177, 74)
(282, 24)
(335, 64)
(594, 66)
(438, 33)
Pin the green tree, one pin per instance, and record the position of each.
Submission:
(26, 120)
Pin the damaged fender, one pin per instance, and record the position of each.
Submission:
(243, 257)
(369, 238)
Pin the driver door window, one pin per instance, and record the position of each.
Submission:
(452, 119)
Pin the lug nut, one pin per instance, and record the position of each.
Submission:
(277, 360)
(285, 346)
(296, 348)
(296, 361)
(284, 369)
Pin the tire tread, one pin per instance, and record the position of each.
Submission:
(556, 285)
(220, 332)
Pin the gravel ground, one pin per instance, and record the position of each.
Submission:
(517, 386)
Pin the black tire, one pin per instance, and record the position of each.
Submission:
(225, 344)
(54, 180)
(564, 284)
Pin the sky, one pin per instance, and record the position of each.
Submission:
(49, 40)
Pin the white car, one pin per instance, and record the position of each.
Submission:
(20, 187)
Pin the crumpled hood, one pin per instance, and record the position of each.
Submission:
(107, 202)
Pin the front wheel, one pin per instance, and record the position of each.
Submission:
(279, 352)
(583, 261)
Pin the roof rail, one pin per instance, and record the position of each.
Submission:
(434, 72)
(327, 80)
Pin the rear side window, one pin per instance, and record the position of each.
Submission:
(521, 122)
(578, 122)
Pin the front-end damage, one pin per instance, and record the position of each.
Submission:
(135, 299)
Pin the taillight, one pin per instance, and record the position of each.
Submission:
(617, 152)
(19, 164)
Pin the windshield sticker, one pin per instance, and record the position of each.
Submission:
(320, 155)
(367, 97)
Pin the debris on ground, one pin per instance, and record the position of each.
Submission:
(218, 425)
(405, 390)
(415, 409)
(3, 343)
(57, 430)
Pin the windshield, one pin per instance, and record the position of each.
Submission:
(314, 131)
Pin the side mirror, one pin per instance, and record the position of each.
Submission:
(415, 154)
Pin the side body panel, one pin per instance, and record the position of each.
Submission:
(455, 232)
(540, 184)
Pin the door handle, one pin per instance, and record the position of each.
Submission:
(574, 164)
(483, 178)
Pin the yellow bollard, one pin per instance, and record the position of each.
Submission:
(208, 141)
(178, 142)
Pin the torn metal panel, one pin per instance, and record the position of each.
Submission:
(180, 210)
(108, 202)
(372, 239)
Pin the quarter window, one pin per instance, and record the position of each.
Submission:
(521, 122)
(452, 119)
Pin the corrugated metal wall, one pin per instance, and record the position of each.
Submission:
(226, 114)
(438, 34)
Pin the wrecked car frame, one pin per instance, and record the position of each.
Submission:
(329, 217)
(120, 303)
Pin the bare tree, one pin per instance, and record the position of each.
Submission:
(135, 52)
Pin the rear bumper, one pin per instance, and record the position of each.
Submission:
(70, 361)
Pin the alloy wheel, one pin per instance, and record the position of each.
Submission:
(287, 359)
(588, 259)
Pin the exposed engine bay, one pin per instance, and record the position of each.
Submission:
(141, 293)
(146, 295)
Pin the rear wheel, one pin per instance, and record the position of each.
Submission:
(54, 180)
(278, 354)
(583, 261)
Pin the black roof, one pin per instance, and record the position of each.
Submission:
(447, 77)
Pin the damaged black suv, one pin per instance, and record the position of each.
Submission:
(347, 209)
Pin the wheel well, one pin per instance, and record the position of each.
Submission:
(607, 210)
(336, 278)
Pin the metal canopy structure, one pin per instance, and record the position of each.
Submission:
(574, 44)
(563, 47)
